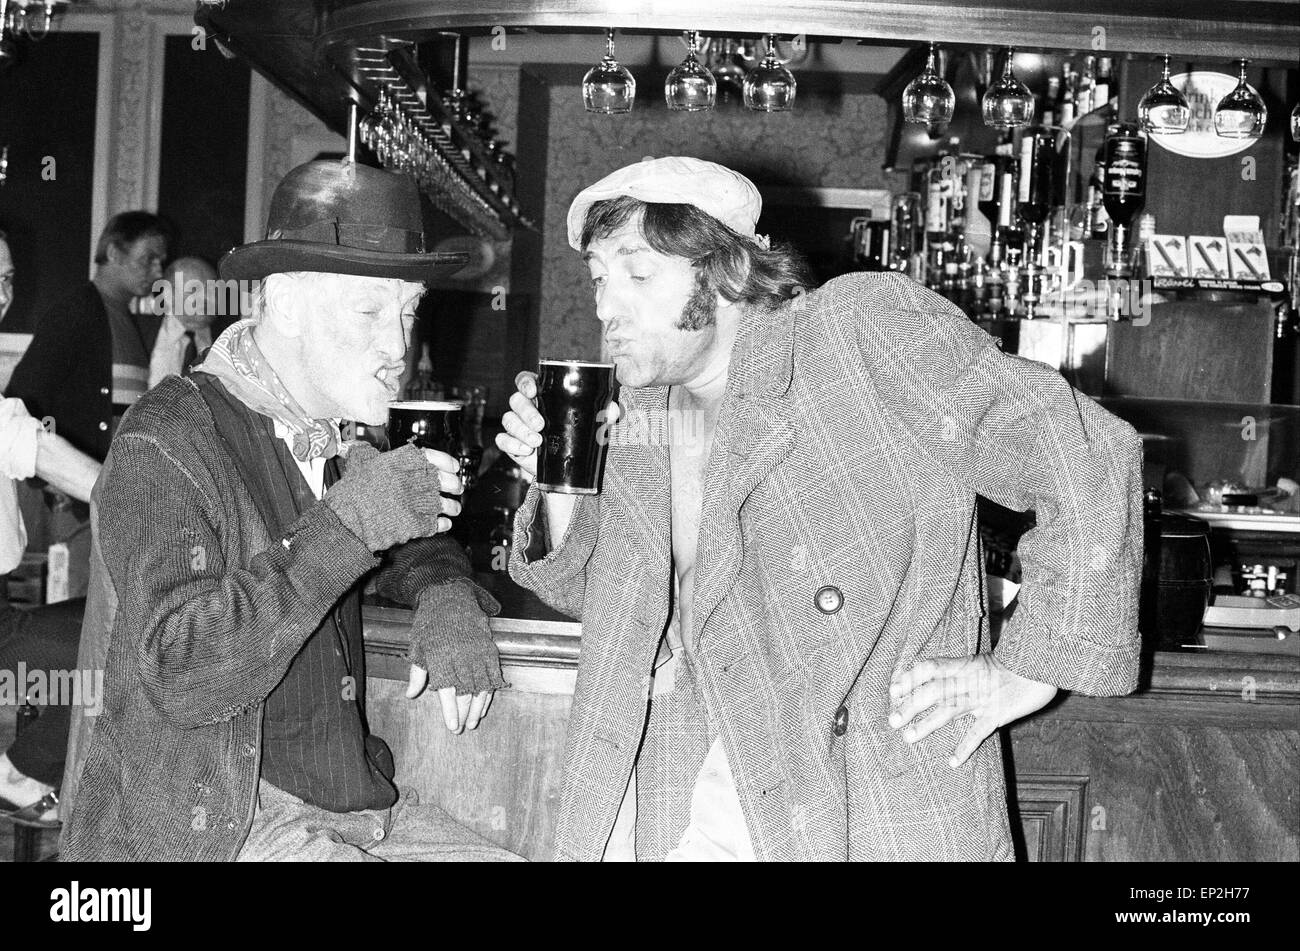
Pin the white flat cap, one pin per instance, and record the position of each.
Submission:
(714, 189)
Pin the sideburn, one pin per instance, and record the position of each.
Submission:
(701, 308)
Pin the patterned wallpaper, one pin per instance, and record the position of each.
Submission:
(835, 137)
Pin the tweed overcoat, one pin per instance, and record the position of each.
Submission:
(858, 424)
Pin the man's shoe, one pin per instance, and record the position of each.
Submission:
(42, 814)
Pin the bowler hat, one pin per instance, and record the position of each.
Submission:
(342, 218)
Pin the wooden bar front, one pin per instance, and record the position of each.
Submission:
(1201, 764)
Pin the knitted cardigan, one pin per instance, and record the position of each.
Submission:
(195, 613)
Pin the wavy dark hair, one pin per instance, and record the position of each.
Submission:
(728, 263)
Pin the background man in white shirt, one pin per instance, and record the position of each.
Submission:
(187, 328)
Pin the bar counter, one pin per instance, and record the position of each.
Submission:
(1200, 764)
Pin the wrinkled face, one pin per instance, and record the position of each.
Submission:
(642, 298)
(354, 345)
(140, 263)
(6, 278)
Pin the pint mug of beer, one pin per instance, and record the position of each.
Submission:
(429, 424)
(571, 394)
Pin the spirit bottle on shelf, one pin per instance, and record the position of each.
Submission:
(1102, 87)
(937, 209)
(980, 205)
(1066, 108)
(1123, 191)
(1037, 190)
(1048, 110)
(1083, 95)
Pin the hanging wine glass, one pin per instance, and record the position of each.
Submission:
(769, 86)
(690, 87)
(366, 130)
(1008, 104)
(928, 98)
(382, 128)
(1241, 114)
(608, 88)
(1163, 109)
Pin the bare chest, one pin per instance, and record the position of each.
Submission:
(690, 457)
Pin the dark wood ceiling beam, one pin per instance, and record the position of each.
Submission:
(1263, 30)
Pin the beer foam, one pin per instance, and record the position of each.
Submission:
(437, 405)
(574, 363)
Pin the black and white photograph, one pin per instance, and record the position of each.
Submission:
(584, 431)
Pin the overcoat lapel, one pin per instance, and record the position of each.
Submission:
(755, 433)
(638, 472)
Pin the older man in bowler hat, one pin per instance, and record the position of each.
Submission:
(233, 530)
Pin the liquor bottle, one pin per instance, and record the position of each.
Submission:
(986, 199)
(906, 233)
(1037, 185)
(957, 197)
(1048, 110)
(1006, 227)
(1102, 85)
(1124, 189)
(422, 386)
(1066, 110)
(938, 212)
(1098, 221)
(1083, 96)
(978, 223)
(1146, 229)
(1035, 199)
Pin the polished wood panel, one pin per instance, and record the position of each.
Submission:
(502, 779)
(1050, 810)
(1201, 764)
(1180, 353)
(1166, 792)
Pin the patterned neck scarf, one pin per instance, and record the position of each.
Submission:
(236, 361)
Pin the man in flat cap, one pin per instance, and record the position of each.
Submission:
(784, 647)
(233, 529)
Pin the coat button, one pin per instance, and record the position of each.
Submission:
(841, 720)
(103, 427)
(249, 749)
(829, 599)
